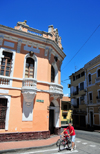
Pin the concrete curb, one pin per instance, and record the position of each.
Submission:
(29, 148)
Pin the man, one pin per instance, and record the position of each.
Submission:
(72, 135)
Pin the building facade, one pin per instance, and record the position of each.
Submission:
(85, 95)
(93, 92)
(66, 112)
(78, 98)
(30, 89)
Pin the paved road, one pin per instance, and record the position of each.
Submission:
(83, 147)
(90, 136)
(87, 143)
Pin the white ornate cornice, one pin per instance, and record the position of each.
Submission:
(33, 37)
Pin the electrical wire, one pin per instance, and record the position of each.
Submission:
(80, 49)
(82, 46)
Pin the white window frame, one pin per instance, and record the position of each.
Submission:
(7, 111)
(12, 67)
(35, 65)
(88, 78)
(97, 72)
(89, 97)
(56, 72)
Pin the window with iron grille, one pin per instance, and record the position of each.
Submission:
(78, 76)
(81, 86)
(73, 78)
(99, 94)
(90, 96)
(5, 68)
(99, 73)
(89, 77)
(29, 70)
(3, 108)
(82, 74)
(52, 74)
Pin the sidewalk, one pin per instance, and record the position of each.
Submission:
(18, 145)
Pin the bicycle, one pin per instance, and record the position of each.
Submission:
(63, 143)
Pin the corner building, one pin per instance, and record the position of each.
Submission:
(30, 89)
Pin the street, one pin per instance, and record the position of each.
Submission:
(89, 145)
(83, 147)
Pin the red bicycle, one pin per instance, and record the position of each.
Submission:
(63, 143)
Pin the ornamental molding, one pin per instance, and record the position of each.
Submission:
(29, 97)
(19, 46)
(37, 45)
(34, 37)
(50, 51)
(36, 50)
(46, 51)
(56, 96)
(1, 39)
(9, 44)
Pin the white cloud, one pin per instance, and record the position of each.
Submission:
(67, 95)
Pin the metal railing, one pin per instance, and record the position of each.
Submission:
(97, 79)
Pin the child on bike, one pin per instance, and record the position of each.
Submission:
(66, 134)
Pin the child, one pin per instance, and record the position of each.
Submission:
(66, 134)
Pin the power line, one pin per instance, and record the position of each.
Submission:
(82, 46)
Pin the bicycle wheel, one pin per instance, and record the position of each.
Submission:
(58, 142)
(62, 145)
(69, 144)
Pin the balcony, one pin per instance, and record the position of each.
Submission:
(97, 80)
(82, 102)
(80, 112)
(75, 93)
(5, 80)
(98, 100)
(90, 101)
(29, 89)
(64, 111)
(89, 83)
(29, 83)
(56, 90)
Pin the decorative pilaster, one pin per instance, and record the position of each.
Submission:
(50, 51)
(46, 51)
(1, 39)
(60, 64)
(19, 46)
(28, 102)
(28, 96)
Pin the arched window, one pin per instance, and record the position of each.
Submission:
(89, 78)
(99, 73)
(52, 74)
(29, 69)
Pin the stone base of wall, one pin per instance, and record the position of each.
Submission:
(19, 136)
(57, 130)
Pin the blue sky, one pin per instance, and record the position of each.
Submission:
(75, 19)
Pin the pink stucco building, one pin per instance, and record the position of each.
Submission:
(30, 82)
